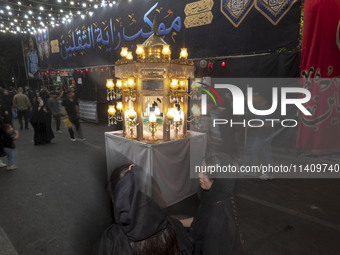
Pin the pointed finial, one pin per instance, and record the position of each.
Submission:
(155, 25)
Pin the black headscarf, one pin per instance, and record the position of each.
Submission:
(137, 217)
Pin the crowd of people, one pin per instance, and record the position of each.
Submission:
(37, 108)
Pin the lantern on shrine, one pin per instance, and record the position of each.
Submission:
(154, 91)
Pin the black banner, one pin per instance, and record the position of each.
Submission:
(273, 65)
(207, 28)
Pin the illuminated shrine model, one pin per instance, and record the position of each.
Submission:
(153, 89)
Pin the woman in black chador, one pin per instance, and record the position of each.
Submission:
(141, 227)
(41, 122)
(213, 228)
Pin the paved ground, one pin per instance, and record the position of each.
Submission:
(56, 203)
(290, 216)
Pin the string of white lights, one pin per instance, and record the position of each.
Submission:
(21, 17)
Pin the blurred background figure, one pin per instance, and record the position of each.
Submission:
(55, 108)
(44, 94)
(41, 122)
(6, 107)
(30, 93)
(22, 102)
(258, 147)
(71, 114)
(8, 138)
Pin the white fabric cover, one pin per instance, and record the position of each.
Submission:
(166, 165)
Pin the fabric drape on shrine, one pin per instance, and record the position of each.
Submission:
(320, 65)
(207, 28)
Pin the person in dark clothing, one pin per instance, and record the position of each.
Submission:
(14, 110)
(76, 92)
(12, 92)
(213, 229)
(44, 94)
(141, 227)
(6, 107)
(30, 94)
(71, 114)
(2, 143)
(53, 104)
(8, 137)
(41, 122)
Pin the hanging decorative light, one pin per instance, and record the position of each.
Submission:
(140, 51)
(129, 55)
(124, 52)
(183, 54)
(115, 114)
(110, 87)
